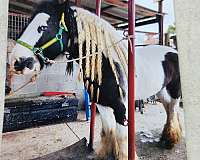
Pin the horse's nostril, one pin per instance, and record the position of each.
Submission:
(18, 66)
(29, 63)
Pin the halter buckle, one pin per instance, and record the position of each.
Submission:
(58, 36)
(38, 52)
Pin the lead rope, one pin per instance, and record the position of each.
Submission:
(34, 77)
(114, 44)
(73, 131)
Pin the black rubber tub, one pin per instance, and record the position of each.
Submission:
(32, 112)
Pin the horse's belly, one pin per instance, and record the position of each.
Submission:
(149, 80)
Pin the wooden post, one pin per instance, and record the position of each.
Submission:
(188, 38)
(131, 81)
(160, 22)
(3, 49)
(93, 106)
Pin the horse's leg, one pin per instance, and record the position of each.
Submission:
(108, 134)
(172, 130)
(122, 139)
(122, 130)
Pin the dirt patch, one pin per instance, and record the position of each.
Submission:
(149, 148)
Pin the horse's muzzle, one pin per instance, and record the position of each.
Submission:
(22, 62)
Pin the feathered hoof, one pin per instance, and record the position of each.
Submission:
(171, 135)
(106, 157)
(103, 155)
(113, 156)
(123, 157)
(92, 156)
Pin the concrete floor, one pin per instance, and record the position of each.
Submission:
(36, 142)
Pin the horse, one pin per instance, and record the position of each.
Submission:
(96, 46)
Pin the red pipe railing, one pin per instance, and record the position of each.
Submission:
(92, 125)
(78, 3)
(160, 23)
(131, 81)
(98, 7)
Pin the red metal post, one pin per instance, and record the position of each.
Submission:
(131, 81)
(93, 105)
(98, 7)
(161, 20)
(92, 124)
(78, 3)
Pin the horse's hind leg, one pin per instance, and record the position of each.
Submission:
(109, 144)
(172, 130)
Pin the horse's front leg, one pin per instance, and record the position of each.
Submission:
(121, 112)
(172, 131)
(109, 145)
(122, 139)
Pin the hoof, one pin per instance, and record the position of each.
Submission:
(106, 157)
(102, 155)
(125, 157)
(92, 156)
(122, 157)
(170, 136)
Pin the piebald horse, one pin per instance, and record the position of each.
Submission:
(92, 42)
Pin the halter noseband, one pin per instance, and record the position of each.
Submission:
(38, 51)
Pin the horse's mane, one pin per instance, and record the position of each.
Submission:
(100, 39)
(107, 33)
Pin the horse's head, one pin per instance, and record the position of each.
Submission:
(50, 33)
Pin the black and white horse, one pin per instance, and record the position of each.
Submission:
(60, 29)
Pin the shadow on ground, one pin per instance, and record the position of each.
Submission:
(148, 148)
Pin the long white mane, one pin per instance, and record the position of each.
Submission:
(96, 32)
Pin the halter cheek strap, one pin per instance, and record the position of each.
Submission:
(38, 51)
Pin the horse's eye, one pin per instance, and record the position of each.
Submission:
(42, 28)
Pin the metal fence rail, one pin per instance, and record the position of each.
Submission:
(16, 23)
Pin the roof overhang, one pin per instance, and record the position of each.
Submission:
(114, 11)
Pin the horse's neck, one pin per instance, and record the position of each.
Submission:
(96, 31)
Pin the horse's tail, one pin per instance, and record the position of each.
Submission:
(172, 74)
